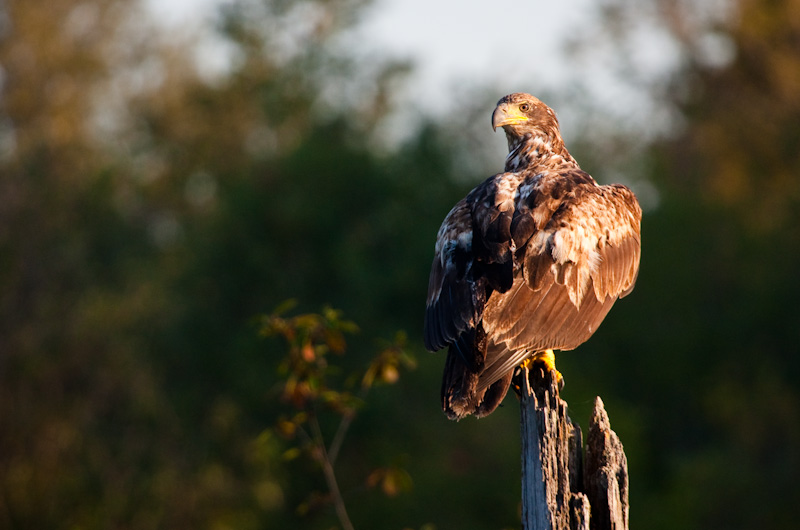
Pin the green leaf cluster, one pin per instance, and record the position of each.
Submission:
(311, 391)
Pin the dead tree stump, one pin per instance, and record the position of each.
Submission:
(560, 489)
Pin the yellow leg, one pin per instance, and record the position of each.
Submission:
(548, 359)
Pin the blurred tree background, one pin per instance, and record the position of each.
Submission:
(151, 209)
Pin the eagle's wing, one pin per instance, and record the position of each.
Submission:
(473, 255)
(572, 266)
(451, 306)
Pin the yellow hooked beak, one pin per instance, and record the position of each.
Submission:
(506, 114)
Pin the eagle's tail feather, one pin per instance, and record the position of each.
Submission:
(461, 395)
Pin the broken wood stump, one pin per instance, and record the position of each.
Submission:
(562, 489)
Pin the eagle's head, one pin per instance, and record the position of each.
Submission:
(521, 114)
(531, 129)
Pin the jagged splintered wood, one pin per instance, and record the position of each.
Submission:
(561, 490)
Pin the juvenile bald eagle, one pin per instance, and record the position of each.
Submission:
(528, 262)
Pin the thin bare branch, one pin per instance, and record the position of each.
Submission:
(330, 475)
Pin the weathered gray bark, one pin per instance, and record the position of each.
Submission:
(558, 491)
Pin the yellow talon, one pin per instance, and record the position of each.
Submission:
(548, 358)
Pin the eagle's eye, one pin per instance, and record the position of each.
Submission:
(524, 107)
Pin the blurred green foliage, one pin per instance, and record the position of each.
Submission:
(148, 215)
(309, 388)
